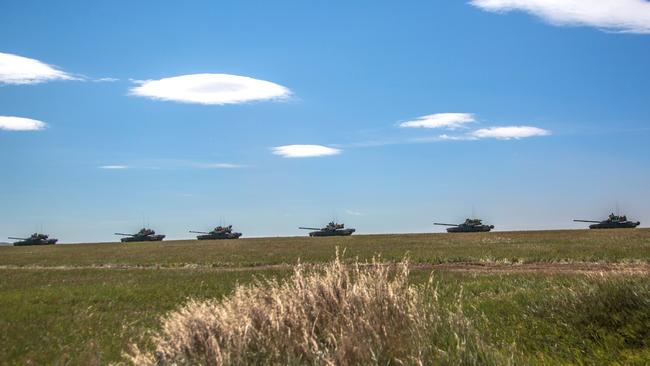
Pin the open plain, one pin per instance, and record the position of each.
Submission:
(540, 297)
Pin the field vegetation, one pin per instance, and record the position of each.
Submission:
(338, 315)
(90, 304)
(612, 246)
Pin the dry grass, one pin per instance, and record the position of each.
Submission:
(338, 315)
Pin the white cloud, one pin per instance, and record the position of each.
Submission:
(114, 167)
(16, 69)
(440, 120)
(304, 151)
(353, 213)
(216, 89)
(20, 124)
(509, 132)
(628, 16)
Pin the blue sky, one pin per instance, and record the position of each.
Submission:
(536, 115)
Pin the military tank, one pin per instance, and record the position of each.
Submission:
(332, 229)
(612, 222)
(34, 239)
(219, 232)
(469, 226)
(143, 235)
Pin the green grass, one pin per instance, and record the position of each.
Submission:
(535, 246)
(85, 315)
(560, 319)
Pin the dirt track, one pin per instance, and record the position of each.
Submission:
(483, 267)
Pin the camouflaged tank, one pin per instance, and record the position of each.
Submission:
(332, 229)
(469, 226)
(612, 222)
(35, 239)
(142, 235)
(218, 233)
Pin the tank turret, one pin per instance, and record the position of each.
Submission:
(34, 239)
(332, 229)
(143, 235)
(469, 226)
(612, 222)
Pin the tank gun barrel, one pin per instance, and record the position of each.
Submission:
(439, 223)
(12, 238)
(308, 228)
(124, 234)
(587, 221)
(199, 232)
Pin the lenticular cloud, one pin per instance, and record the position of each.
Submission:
(509, 132)
(18, 70)
(215, 89)
(304, 151)
(627, 16)
(10, 123)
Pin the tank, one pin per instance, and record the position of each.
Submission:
(612, 222)
(469, 226)
(34, 239)
(143, 235)
(219, 232)
(332, 229)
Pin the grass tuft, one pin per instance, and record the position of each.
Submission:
(338, 315)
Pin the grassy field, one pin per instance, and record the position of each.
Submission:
(519, 247)
(84, 304)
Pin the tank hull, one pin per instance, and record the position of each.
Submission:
(219, 236)
(35, 242)
(615, 225)
(470, 229)
(132, 239)
(342, 232)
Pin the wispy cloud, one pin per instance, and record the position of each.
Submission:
(106, 80)
(215, 89)
(17, 70)
(194, 164)
(304, 151)
(452, 138)
(628, 16)
(10, 123)
(440, 120)
(499, 133)
(160, 164)
(217, 165)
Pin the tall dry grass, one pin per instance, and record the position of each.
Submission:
(337, 315)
